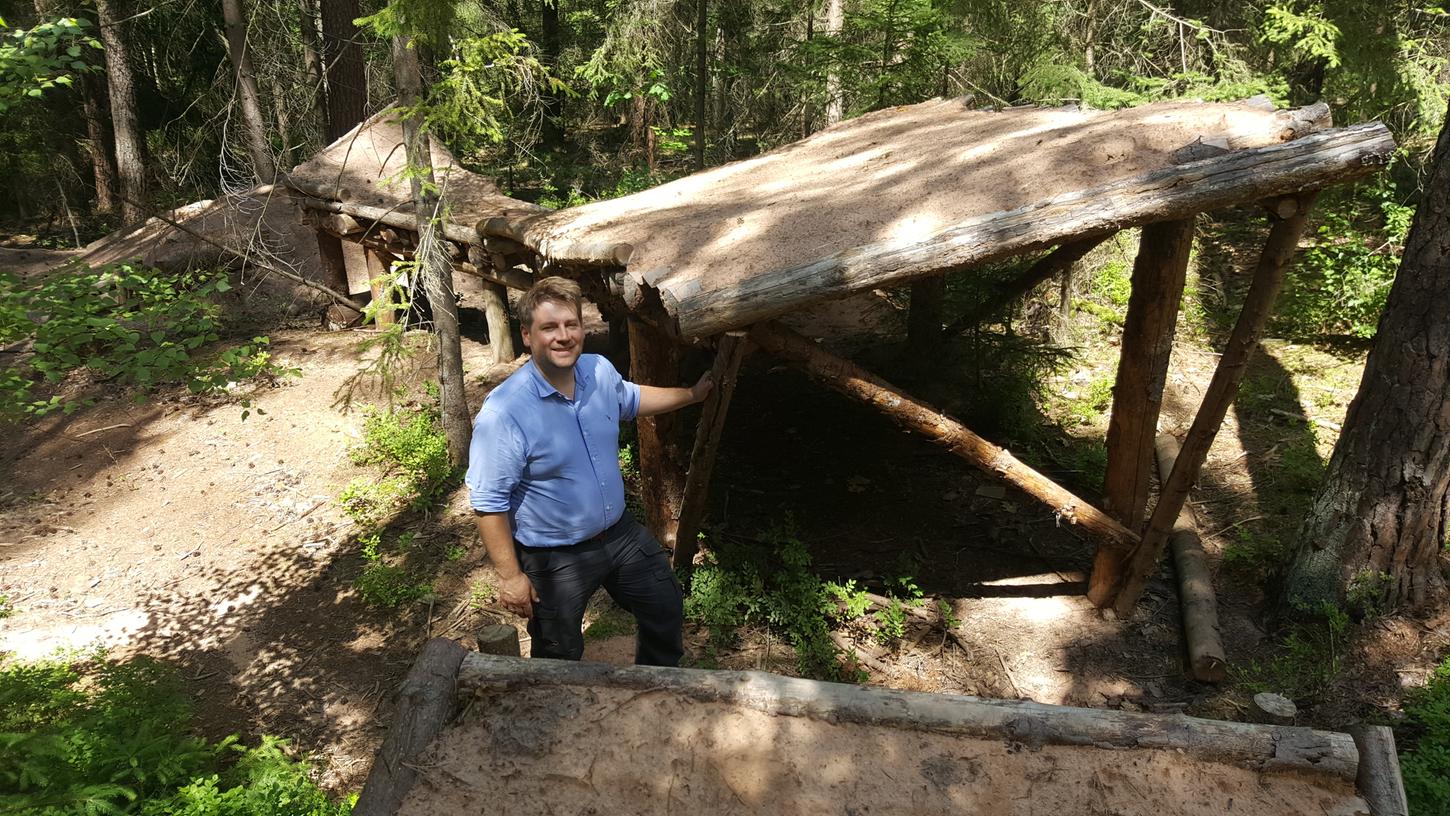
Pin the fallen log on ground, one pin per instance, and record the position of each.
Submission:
(1206, 655)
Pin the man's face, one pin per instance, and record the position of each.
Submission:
(556, 336)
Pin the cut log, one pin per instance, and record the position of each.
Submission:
(1207, 660)
(1023, 723)
(400, 217)
(1274, 709)
(515, 228)
(341, 224)
(499, 639)
(1159, 273)
(1058, 260)
(1171, 193)
(728, 354)
(1122, 580)
(1379, 779)
(426, 702)
(655, 360)
(854, 381)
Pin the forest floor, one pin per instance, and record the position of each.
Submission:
(179, 529)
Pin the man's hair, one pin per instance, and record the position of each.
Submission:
(555, 289)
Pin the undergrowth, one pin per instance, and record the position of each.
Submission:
(1310, 656)
(96, 736)
(1425, 746)
(124, 323)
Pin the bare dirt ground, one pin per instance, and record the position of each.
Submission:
(175, 528)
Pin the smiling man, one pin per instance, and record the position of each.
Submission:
(544, 483)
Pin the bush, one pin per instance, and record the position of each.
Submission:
(126, 323)
(98, 736)
(1425, 760)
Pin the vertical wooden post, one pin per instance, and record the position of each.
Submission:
(1158, 275)
(1120, 582)
(379, 277)
(334, 264)
(924, 320)
(495, 306)
(728, 354)
(655, 360)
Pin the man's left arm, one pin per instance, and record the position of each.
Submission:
(655, 400)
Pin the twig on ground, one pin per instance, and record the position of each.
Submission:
(1000, 659)
(99, 430)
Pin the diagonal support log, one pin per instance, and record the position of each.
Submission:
(1119, 582)
(1048, 265)
(854, 381)
(728, 354)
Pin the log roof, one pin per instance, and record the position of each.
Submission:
(925, 188)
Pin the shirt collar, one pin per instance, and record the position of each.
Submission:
(544, 389)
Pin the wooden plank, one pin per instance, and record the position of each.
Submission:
(333, 262)
(1122, 580)
(1058, 260)
(655, 360)
(1158, 277)
(1379, 779)
(728, 354)
(379, 283)
(1270, 749)
(1207, 659)
(426, 702)
(854, 381)
(355, 262)
(1171, 193)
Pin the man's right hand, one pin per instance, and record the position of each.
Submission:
(517, 594)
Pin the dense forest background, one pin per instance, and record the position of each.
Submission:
(570, 101)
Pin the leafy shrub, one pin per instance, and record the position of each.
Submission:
(1311, 655)
(126, 323)
(383, 583)
(1425, 760)
(98, 736)
(410, 446)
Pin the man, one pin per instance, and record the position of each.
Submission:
(544, 482)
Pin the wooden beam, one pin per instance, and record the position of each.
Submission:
(1058, 260)
(655, 360)
(1164, 194)
(400, 217)
(1379, 779)
(728, 354)
(1317, 755)
(924, 320)
(853, 381)
(1158, 277)
(1120, 582)
(426, 702)
(1207, 660)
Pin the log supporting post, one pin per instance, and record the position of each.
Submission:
(355, 263)
(1158, 276)
(334, 263)
(924, 320)
(1119, 582)
(654, 359)
(1207, 660)
(426, 702)
(728, 354)
(380, 278)
(1379, 779)
(853, 381)
(495, 306)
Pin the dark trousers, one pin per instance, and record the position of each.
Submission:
(632, 567)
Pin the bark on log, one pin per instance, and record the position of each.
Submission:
(854, 381)
(400, 216)
(426, 702)
(1120, 582)
(728, 354)
(1159, 273)
(1177, 192)
(1058, 260)
(1207, 660)
(515, 228)
(1266, 748)
(1379, 779)
(499, 639)
(655, 360)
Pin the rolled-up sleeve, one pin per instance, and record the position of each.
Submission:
(627, 393)
(496, 461)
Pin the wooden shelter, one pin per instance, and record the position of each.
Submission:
(901, 196)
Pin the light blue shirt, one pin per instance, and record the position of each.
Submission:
(552, 463)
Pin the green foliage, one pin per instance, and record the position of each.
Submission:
(6, 607)
(105, 737)
(1310, 656)
(1113, 282)
(1425, 746)
(769, 583)
(476, 97)
(125, 323)
(37, 59)
(1304, 31)
(410, 446)
(383, 583)
(614, 622)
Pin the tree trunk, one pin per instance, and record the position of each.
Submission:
(312, 60)
(835, 17)
(342, 62)
(1376, 527)
(702, 79)
(254, 128)
(130, 158)
(431, 257)
(550, 46)
(99, 141)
